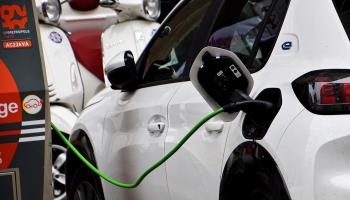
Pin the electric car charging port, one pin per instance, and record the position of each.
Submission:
(256, 130)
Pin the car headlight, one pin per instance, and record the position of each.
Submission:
(151, 9)
(50, 11)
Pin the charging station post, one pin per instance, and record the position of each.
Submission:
(25, 169)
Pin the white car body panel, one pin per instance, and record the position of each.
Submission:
(129, 140)
(315, 50)
(311, 151)
(200, 159)
(99, 96)
(322, 154)
(93, 127)
(134, 145)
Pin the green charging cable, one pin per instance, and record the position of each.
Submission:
(149, 170)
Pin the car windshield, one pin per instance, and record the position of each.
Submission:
(241, 22)
(240, 37)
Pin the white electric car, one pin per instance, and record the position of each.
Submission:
(297, 53)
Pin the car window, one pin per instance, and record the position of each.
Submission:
(167, 56)
(249, 28)
(343, 9)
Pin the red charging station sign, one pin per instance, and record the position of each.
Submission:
(23, 106)
(9, 14)
(10, 112)
(15, 20)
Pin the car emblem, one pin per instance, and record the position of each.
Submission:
(287, 45)
(55, 37)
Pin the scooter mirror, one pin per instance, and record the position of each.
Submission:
(121, 71)
(221, 78)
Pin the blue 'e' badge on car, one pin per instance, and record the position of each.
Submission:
(287, 45)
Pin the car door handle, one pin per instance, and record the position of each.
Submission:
(156, 128)
(214, 127)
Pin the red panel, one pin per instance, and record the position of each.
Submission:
(7, 133)
(10, 112)
(328, 95)
(7, 152)
(10, 100)
(84, 5)
(346, 92)
(88, 50)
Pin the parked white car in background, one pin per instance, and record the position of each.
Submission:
(298, 55)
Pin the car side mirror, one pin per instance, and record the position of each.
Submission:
(221, 78)
(121, 71)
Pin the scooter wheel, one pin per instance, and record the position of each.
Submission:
(58, 171)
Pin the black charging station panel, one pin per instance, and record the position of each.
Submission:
(8, 185)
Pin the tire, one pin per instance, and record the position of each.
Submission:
(255, 182)
(85, 186)
(262, 190)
